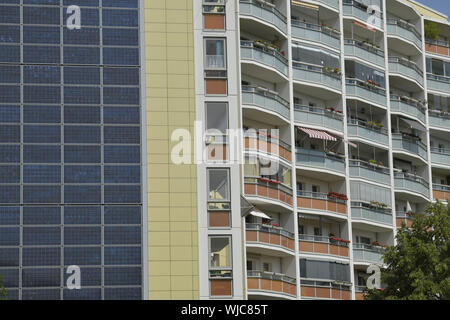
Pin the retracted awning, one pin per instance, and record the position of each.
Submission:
(318, 134)
(305, 5)
(260, 214)
(362, 25)
(351, 144)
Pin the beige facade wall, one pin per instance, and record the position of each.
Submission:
(172, 195)
(427, 12)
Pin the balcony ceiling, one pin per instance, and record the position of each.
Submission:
(263, 72)
(402, 47)
(262, 30)
(402, 10)
(264, 117)
(267, 250)
(369, 227)
(400, 195)
(325, 175)
(316, 92)
(403, 84)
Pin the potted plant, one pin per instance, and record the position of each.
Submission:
(373, 162)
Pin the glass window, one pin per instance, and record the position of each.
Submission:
(41, 54)
(215, 57)
(220, 252)
(437, 67)
(121, 56)
(219, 184)
(116, 134)
(81, 55)
(122, 194)
(125, 96)
(217, 116)
(120, 18)
(120, 37)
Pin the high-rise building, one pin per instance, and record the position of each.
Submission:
(215, 149)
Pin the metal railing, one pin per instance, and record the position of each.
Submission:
(367, 131)
(406, 105)
(364, 51)
(410, 144)
(287, 284)
(373, 172)
(320, 159)
(368, 253)
(437, 46)
(316, 74)
(412, 183)
(266, 99)
(366, 91)
(269, 229)
(366, 211)
(264, 11)
(269, 57)
(404, 29)
(438, 82)
(316, 32)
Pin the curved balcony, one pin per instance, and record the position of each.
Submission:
(369, 171)
(406, 68)
(321, 117)
(269, 236)
(304, 72)
(410, 145)
(405, 31)
(440, 157)
(269, 190)
(408, 106)
(365, 212)
(437, 47)
(323, 245)
(366, 92)
(403, 217)
(260, 282)
(439, 119)
(264, 12)
(315, 33)
(320, 160)
(323, 289)
(322, 202)
(411, 183)
(357, 10)
(367, 254)
(265, 144)
(367, 132)
(265, 99)
(265, 56)
(438, 83)
(365, 51)
(441, 192)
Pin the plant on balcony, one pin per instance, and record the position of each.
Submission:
(378, 205)
(262, 179)
(431, 30)
(376, 243)
(337, 195)
(373, 162)
(339, 240)
(331, 234)
(380, 163)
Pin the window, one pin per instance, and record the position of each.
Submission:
(249, 265)
(219, 185)
(315, 189)
(267, 267)
(215, 54)
(220, 257)
(301, 229)
(216, 121)
(364, 240)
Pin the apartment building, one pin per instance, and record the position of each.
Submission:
(215, 149)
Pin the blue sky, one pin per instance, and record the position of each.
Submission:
(439, 5)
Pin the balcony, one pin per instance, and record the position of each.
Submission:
(438, 83)
(270, 236)
(366, 92)
(320, 34)
(265, 99)
(368, 132)
(331, 3)
(439, 119)
(317, 201)
(326, 118)
(271, 58)
(359, 292)
(409, 144)
(268, 282)
(260, 142)
(367, 253)
(323, 245)
(317, 289)
(370, 171)
(405, 30)
(441, 192)
(318, 75)
(403, 217)
(269, 190)
(408, 106)
(437, 47)
(264, 12)
(320, 160)
(365, 51)
(357, 10)
(411, 183)
(406, 68)
(440, 156)
(365, 212)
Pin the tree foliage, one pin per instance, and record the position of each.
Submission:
(418, 266)
(3, 295)
(431, 30)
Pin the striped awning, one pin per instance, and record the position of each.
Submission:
(317, 134)
(364, 26)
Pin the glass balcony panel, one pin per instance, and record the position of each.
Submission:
(319, 159)
(264, 99)
(440, 156)
(439, 119)
(309, 73)
(316, 33)
(354, 9)
(362, 130)
(404, 30)
(438, 83)
(364, 51)
(405, 68)
(319, 116)
(372, 172)
(368, 253)
(268, 57)
(411, 183)
(266, 13)
(360, 212)
(366, 92)
(400, 142)
(409, 107)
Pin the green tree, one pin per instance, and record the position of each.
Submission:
(418, 266)
(431, 30)
(3, 295)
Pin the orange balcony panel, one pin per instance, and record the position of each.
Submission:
(442, 50)
(343, 251)
(290, 289)
(345, 294)
(214, 21)
(219, 219)
(323, 292)
(263, 191)
(306, 246)
(220, 287)
(277, 286)
(334, 250)
(318, 204)
(341, 208)
(275, 239)
(253, 283)
(216, 86)
(336, 294)
(266, 284)
(321, 248)
(289, 199)
(304, 202)
(290, 244)
(264, 237)
(359, 296)
(307, 291)
(441, 195)
(430, 48)
(252, 236)
(273, 193)
(250, 188)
